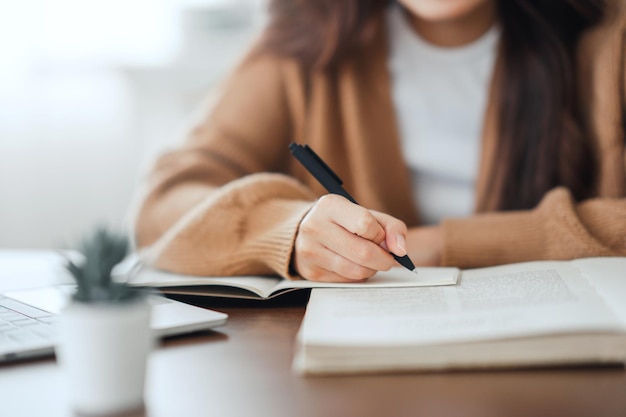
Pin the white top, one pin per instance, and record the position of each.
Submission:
(439, 95)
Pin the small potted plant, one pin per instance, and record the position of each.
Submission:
(105, 337)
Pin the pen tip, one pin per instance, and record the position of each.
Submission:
(414, 271)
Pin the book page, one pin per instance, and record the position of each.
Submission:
(608, 277)
(265, 286)
(394, 278)
(259, 285)
(490, 303)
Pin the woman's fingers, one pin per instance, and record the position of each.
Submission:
(339, 240)
(327, 266)
(395, 233)
(353, 218)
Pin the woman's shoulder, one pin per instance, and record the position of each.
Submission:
(260, 70)
(371, 37)
(266, 70)
(263, 62)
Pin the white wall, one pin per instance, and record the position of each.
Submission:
(82, 107)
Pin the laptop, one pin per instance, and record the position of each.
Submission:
(28, 317)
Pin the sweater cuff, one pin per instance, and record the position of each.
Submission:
(275, 246)
(493, 239)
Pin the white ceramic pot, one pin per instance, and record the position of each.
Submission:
(103, 351)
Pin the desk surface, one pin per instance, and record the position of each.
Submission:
(244, 369)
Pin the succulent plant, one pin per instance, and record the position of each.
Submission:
(101, 251)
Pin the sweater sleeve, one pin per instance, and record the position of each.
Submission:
(221, 204)
(557, 229)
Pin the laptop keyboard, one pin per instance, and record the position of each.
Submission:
(23, 328)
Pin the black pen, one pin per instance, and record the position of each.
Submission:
(331, 181)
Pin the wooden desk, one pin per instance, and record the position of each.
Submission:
(244, 369)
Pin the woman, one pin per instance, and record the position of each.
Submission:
(472, 133)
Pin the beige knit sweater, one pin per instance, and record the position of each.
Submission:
(229, 200)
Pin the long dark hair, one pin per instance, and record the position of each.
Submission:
(543, 140)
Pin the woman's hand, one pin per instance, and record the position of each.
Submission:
(339, 241)
(425, 245)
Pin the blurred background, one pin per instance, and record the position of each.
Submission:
(90, 92)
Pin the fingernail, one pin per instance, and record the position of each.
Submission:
(400, 243)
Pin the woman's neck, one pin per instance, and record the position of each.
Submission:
(455, 32)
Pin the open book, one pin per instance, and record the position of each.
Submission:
(265, 287)
(527, 314)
